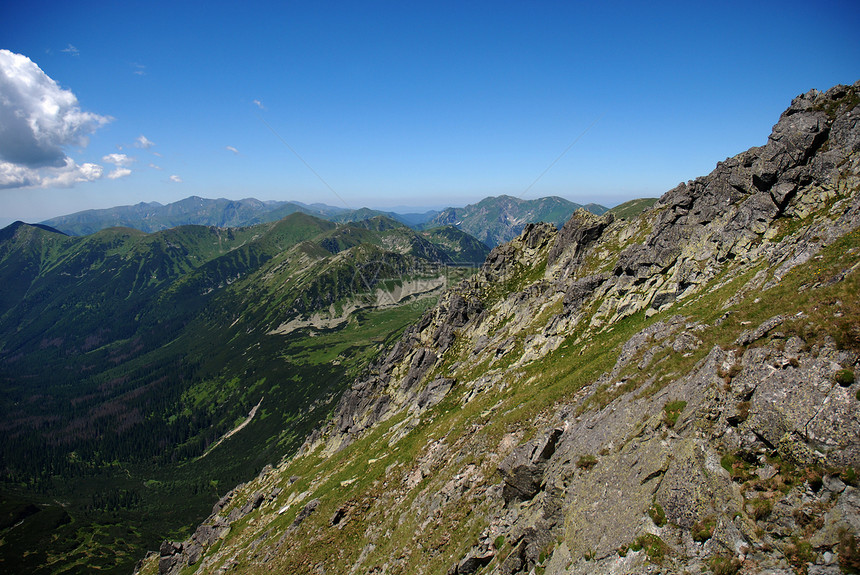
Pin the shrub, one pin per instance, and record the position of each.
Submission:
(849, 553)
(799, 553)
(654, 547)
(737, 467)
(724, 565)
(658, 516)
(499, 542)
(844, 377)
(743, 411)
(589, 555)
(729, 374)
(814, 476)
(761, 508)
(704, 529)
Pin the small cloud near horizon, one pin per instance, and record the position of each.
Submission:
(231, 149)
(119, 173)
(259, 104)
(175, 179)
(143, 142)
(71, 50)
(121, 161)
(118, 159)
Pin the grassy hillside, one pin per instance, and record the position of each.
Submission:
(629, 210)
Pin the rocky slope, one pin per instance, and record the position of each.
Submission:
(672, 394)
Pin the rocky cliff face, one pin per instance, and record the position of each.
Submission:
(672, 394)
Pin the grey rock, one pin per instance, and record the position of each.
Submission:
(824, 570)
(253, 502)
(193, 553)
(522, 470)
(581, 290)
(305, 512)
(833, 484)
(208, 533)
(782, 402)
(473, 562)
(749, 336)
(434, 392)
(576, 235)
(167, 563)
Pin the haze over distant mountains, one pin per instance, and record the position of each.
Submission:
(493, 220)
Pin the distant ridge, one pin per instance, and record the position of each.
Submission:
(153, 216)
(496, 220)
(631, 209)
(9, 231)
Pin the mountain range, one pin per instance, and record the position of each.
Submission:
(670, 393)
(493, 220)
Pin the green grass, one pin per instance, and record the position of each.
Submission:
(658, 516)
(672, 411)
(844, 377)
(724, 565)
(586, 462)
(703, 529)
(654, 547)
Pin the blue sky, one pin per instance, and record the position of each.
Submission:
(395, 103)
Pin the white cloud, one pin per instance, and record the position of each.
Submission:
(71, 50)
(154, 167)
(143, 142)
(118, 159)
(231, 149)
(38, 119)
(119, 173)
(259, 104)
(72, 174)
(139, 69)
(176, 179)
(14, 176)
(66, 176)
